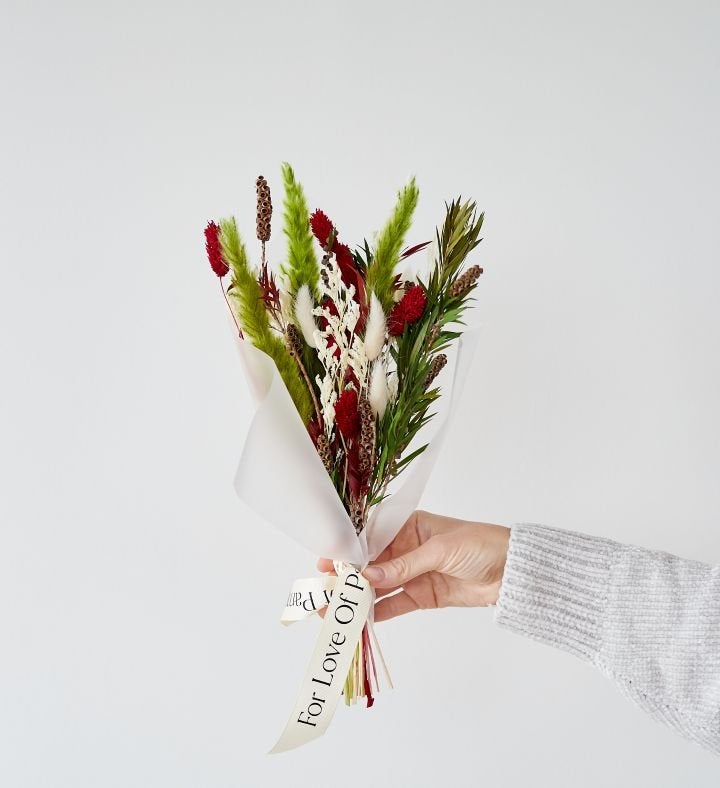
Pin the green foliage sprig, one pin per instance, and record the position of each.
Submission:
(419, 345)
(254, 317)
(381, 269)
(302, 265)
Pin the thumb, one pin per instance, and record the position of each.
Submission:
(425, 558)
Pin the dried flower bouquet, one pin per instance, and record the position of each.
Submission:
(359, 346)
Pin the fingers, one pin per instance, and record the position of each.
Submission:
(392, 606)
(381, 592)
(398, 571)
(416, 530)
(407, 538)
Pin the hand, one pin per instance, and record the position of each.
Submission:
(437, 561)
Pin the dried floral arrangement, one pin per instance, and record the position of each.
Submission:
(359, 347)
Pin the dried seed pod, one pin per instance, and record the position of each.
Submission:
(294, 340)
(323, 449)
(264, 209)
(367, 434)
(323, 269)
(463, 283)
(435, 368)
(356, 514)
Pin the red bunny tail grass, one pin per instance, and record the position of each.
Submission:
(323, 229)
(214, 252)
(413, 303)
(347, 416)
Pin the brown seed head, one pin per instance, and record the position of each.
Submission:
(463, 283)
(367, 434)
(435, 368)
(323, 449)
(264, 209)
(294, 340)
(356, 514)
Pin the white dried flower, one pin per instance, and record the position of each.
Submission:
(392, 386)
(347, 349)
(357, 360)
(341, 327)
(378, 393)
(304, 314)
(375, 329)
(328, 398)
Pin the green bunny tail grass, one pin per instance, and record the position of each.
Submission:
(381, 270)
(302, 266)
(288, 369)
(254, 317)
(245, 289)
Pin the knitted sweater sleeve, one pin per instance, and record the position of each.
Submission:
(650, 621)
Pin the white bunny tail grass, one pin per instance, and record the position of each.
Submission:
(304, 315)
(392, 385)
(378, 391)
(375, 329)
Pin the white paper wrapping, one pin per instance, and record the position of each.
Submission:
(281, 477)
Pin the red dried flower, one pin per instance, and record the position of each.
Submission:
(347, 417)
(408, 310)
(214, 250)
(414, 302)
(322, 228)
(315, 428)
(323, 324)
(354, 477)
(351, 275)
(332, 342)
(346, 264)
(331, 306)
(351, 378)
(269, 291)
(396, 321)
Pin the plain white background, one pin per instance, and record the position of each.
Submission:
(138, 599)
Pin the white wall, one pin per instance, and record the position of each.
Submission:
(138, 599)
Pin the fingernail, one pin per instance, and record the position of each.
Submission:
(374, 574)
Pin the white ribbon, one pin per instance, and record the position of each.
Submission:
(322, 685)
(306, 597)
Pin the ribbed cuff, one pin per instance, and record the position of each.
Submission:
(555, 587)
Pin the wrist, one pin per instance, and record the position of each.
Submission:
(496, 539)
(499, 539)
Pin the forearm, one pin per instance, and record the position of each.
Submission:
(649, 620)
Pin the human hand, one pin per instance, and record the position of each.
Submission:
(437, 561)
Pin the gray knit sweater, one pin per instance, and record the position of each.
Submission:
(648, 620)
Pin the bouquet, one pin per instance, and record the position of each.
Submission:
(344, 352)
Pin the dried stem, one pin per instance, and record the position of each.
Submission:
(240, 333)
(292, 346)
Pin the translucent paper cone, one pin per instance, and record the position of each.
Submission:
(281, 477)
